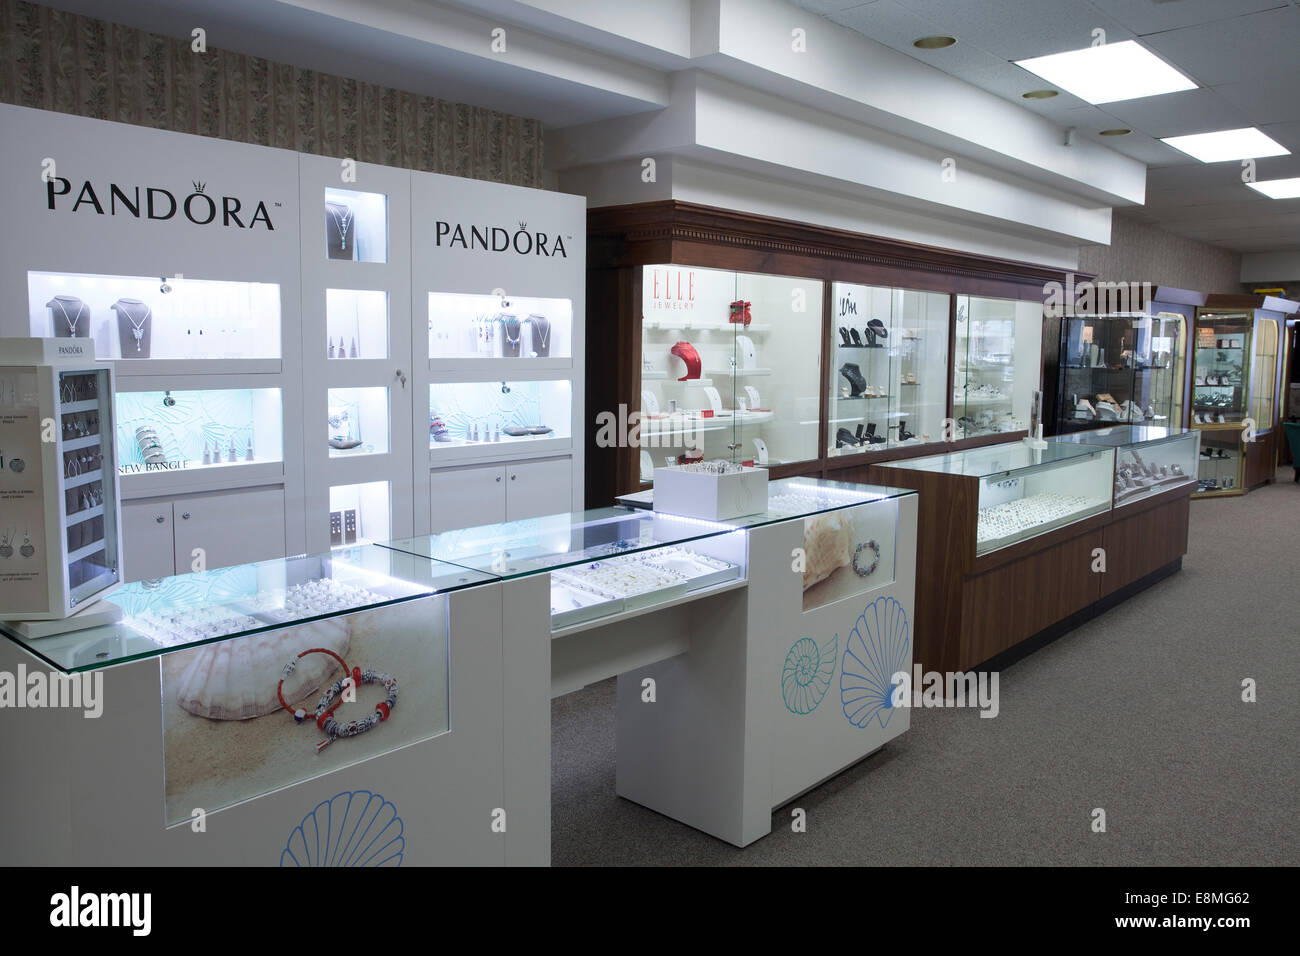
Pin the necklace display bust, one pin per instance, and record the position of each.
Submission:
(71, 318)
(134, 327)
(340, 231)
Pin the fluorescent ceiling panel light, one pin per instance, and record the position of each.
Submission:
(1227, 144)
(1108, 73)
(1278, 188)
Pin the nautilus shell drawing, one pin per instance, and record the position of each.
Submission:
(807, 674)
(236, 680)
(877, 649)
(353, 828)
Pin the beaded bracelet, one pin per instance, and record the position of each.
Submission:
(332, 697)
(875, 549)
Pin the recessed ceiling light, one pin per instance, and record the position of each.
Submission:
(1039, 94)
(933, 43)
(1114, 132)
(1278, 188)
(1108, 73)
(1227, 144)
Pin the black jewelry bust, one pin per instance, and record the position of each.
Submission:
(70, 317)
(340, 231)
(134, 327)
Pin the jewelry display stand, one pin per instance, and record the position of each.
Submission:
(134, 327)
(69, 317)
(60, 521)
(340, 231)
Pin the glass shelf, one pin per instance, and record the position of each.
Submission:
(189, 610)
(138, 318)
(171, 431)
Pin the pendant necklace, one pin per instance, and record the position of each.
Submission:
(71, 322)
(342, 222)
(137, 328)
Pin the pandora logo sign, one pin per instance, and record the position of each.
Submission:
(497, 239)
(155, 202)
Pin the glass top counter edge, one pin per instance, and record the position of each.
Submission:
(513, 549)
(1124, 436)
(236, 591)
(1002, 459)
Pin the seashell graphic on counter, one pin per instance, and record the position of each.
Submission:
(877, 649)
(806, 676)
(353, 828)
(237, 679)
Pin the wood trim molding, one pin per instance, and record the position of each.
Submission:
(643, 231)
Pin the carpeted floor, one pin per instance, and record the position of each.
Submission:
(1138, 712)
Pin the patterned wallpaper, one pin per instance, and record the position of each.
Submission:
(1139, 252)
(73, 64)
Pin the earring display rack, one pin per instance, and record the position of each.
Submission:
(60, 541)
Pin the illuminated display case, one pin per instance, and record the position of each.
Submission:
(1025, 492)
(998, 364)
(1149, 459)
(730, 365)
(482, 415)
(172, 431)
(1120, 368)
(891, 374)
(499, 327)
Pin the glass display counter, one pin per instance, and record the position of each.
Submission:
(1148, 459)
(1025, 492)
(1120, 368)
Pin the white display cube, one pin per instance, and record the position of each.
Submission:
(696, 494)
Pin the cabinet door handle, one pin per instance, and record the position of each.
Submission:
(159, 518)
(186, 516)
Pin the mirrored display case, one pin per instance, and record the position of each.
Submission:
(135, 318)
(1148, 459)
(1124, 367)
(999, 348)
(730, 367)
(1024, 492)
(185, 430)
(891, 374)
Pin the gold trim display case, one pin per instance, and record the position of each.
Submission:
(737, 331)
(1236, 390)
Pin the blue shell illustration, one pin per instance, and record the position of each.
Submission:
(806, 676)
(875, 651)
(353, 828)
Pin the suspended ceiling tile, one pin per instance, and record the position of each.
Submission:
(1176, 114)
(1233, 51)
(1015, 29)
(1265, 99)
(1156, 16)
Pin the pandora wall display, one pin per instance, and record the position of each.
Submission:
(498, 326)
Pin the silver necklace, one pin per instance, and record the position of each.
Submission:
(544, 335)
(341, 222)
(71, 322)
(137, 329)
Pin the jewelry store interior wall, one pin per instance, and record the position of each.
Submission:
(1139, 252)
(60, 61)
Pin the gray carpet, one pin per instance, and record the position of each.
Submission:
(1138, 712)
